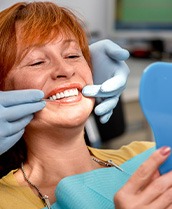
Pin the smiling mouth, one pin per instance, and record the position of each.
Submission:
(64, 94)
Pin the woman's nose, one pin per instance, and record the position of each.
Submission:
(63, 69)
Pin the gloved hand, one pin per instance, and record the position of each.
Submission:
(16, 111)
(110, 74)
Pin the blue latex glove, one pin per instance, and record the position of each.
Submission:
(110, 74)
(16, 111)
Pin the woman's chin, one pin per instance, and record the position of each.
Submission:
(58, 122)
(64, 117)
(74, 121)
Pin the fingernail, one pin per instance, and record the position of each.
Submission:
(165, 150)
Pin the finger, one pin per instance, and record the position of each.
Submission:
(169, 207)
(106, 106)
(94, 91)
(164, 201)
(20, 111)
(114, 85)
(157, 188)
(117, 82)
(17, 126)
(143, 175)
(91, 90)
(10, 141)
(10, 98)
(155, 175)
(104, 119)
(115, 51)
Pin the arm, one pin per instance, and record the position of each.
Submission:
(17, 108)
(110, 74)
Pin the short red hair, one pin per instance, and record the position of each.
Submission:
(40, 23)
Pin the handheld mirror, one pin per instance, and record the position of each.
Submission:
(156, 103)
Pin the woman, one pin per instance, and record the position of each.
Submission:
(108, 86)
(56, 63)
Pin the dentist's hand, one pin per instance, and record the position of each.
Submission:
(110, 74)
(16, 111)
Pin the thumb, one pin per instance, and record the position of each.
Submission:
(115, 52)
(116, 83)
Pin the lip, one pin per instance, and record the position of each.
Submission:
(62, 88)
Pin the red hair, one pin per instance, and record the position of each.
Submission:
(40, 22)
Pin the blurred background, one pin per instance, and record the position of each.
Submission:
(145, 29)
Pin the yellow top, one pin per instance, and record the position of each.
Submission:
(15, 196)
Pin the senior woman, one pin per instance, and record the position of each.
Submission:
(52, 57)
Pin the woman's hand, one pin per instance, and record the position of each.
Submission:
(110, 74)
(16, 111)
(146, 189)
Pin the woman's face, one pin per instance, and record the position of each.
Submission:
(60, 70)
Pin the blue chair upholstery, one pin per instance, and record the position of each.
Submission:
(156, 103)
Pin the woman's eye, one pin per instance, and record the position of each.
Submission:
(73, 56)
(36, 63)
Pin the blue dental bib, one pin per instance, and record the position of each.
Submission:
(96, 189)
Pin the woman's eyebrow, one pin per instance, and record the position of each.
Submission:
(67, 42)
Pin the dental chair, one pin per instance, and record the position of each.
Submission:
(156, 103)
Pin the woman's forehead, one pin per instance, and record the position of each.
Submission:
(25, 44)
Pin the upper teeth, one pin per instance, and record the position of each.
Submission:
(66, 93)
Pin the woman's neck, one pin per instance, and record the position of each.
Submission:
(59, 154)
(55, 155)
